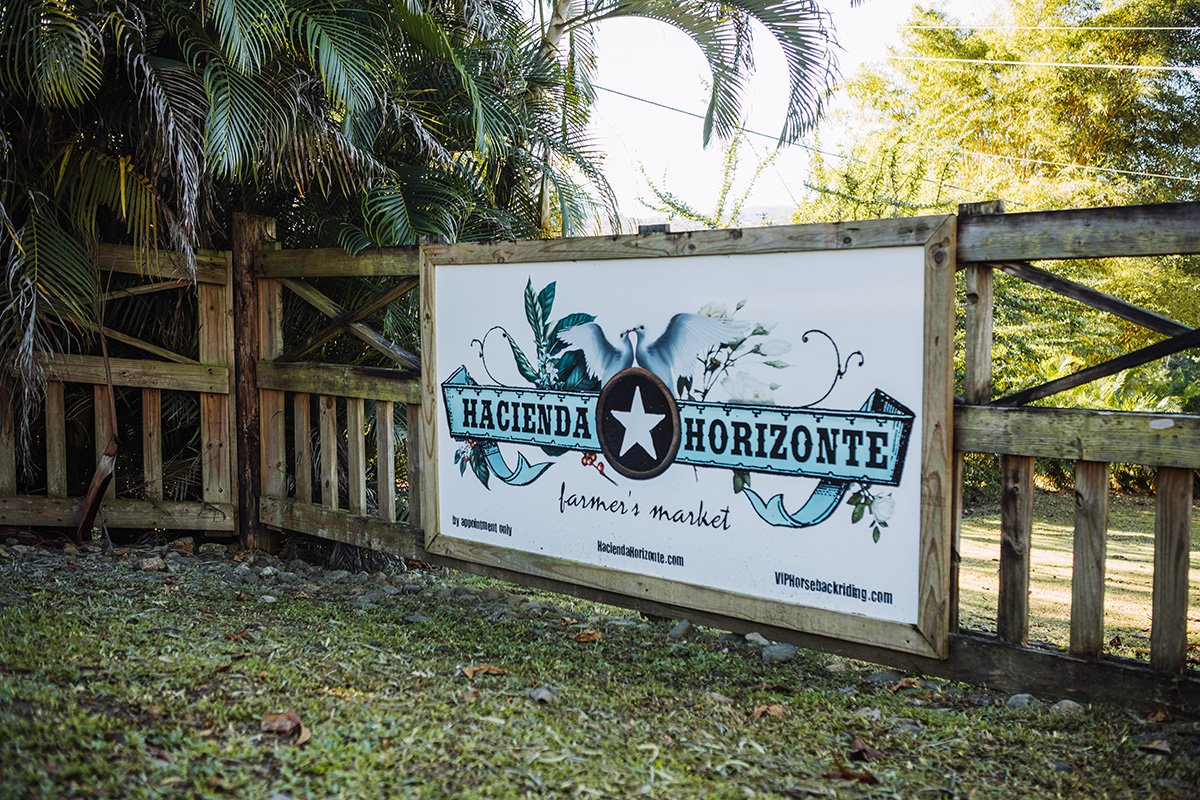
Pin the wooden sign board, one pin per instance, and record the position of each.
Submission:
(753, 423)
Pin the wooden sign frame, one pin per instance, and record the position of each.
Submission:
(929, 637)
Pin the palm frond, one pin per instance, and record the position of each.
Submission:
(247, 30)
(51, 51)
(342, 41)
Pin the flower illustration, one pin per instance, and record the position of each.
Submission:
(883, 508)
(742, 387)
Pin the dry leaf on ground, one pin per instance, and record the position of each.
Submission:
(861, 751)
(285, 724)
(567, 621)
(769, 710)
(589, 635)
(1159, 747)
(905, 683)
(847, 774)
(482, 669)
(1159, 715)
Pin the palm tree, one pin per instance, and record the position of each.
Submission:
(363, 122)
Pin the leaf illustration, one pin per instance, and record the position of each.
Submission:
(546, 302)
(523, 365)
(777, 364)
(480, 467)
(532, 313)
(859, 510)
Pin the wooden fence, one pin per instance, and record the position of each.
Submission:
(138, 501)
(297, 476)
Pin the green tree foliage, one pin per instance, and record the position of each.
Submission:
(360, 122)
(930, 131)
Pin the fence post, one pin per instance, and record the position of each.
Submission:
(8, 439)
(977, 378)
(1169, 598)
(250, 233)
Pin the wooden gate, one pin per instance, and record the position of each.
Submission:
(324, 448)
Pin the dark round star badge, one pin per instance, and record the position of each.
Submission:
(638, 421)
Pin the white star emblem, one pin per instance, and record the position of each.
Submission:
(637, 425)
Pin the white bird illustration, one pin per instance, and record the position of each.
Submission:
(686, 337)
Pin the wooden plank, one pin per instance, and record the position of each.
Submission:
(133, 341)
(356, 456)
(956, 515)
(1148, 230)
(937, 441)
(119, 513)
(302, 445)
(368, 383)
(272, 402)
(979, 311)
(8, 438)
(250, 235)
(322, 262)
(414, 469)
(1138, 357)
(328, 467)
(210, 264)
(1016, 528)
(351, 316)
(1081, 435)
(385, 460)
(1089, 296)
(365, 333)
(102, 425)
(56, 441)
(775, 239)
(144, 374)
(339, 526)
(215, 319)
(1169, 597)
(422, 430)
(1087, 572)
(152, 465)
(146, 288)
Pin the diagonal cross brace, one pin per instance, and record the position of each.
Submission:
(330, 308)
(1138, 357)
(1089, 296)
(347, 318)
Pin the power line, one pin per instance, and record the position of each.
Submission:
(1069, 165)
(1054, 27)
(775, 139)
(1062, 64)
(947, 148)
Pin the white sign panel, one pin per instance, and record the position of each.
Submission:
(744, 423)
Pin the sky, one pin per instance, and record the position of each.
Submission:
(651, 60)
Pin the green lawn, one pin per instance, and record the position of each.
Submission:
(117, 682)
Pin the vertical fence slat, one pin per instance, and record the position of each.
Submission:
(1016, 526)
(385, 459)
(271, 402)
(327, 420)
(356, 456)
(8, 440)
(56, 441)
(412, 441)
(302, 441)
(104, 432)
(1087, 573)
(152, 466)
(216, 466)
(1172, 539)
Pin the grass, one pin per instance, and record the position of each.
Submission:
(1128, 571)
(120, 683)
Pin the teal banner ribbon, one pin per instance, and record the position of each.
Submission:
(839, 447)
